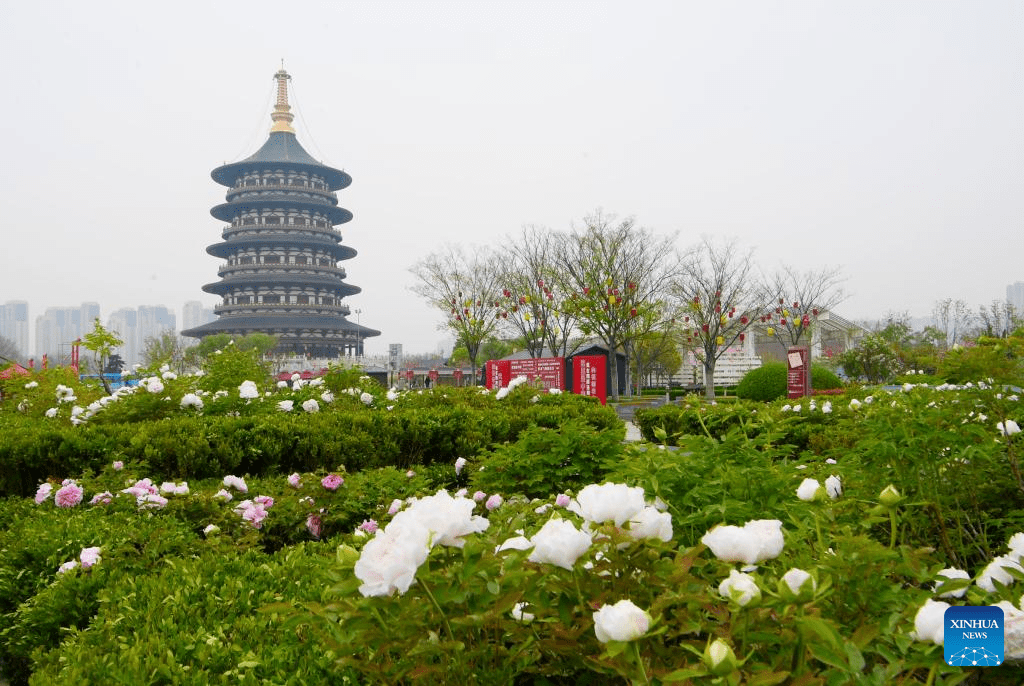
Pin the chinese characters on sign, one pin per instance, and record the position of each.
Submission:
(798, 379)
(589, 376)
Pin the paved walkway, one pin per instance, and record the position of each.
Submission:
(632, 432)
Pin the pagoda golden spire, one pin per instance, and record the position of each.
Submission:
(282, 114)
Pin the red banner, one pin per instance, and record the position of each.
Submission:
(589, 374)
(798, 379)
(549, 370)
(458, 376)
(498, 374)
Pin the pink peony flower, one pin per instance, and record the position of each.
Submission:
(236, 482)
(264, 500)
(479, 496)
(43, 493)
(67, 566)
(331, 482)
(104, 498)
(89, 557)
(396, 505)
(494, 502)
(562, 500)
(254, 514)
(295, 481)
(68, 495)
(369, 526)
(315, 525)
(117, 465)
(459, 465)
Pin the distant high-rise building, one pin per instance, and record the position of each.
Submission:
(280, 273)
(125, 323)
(136, 327)
(193, 314)
(59, 327)
(1015, 296)
(14, 324)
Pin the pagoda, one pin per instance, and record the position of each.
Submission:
(280, 274)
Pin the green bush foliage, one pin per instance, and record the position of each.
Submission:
(172, 601)
(769, 381)
(186, 445)
(545, 460)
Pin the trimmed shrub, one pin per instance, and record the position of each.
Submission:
(768, 382)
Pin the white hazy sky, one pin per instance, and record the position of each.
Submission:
(883, 137)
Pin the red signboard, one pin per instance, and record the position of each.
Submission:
(498, 374)
(549, 370)
(589, 374)
(798, 379)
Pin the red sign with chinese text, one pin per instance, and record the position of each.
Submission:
(588, 376)
(549, 370)
(498, 373)
(798, 378)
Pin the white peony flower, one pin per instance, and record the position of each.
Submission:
(248, 390)
(834, 487)
(949, 574)
(996, 571)
(756, 541)
(286, 405)
(519, 613)
(311, 406)
(798, 582)
(191, 400)
(1008, 428)
(559, 543)
(622, 621)
(808, 489)
(929, 622)
(651, 523)
(608, 502)
(740, 588)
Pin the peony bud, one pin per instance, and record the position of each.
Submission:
(890, 497)
(796, 585)
(719, 658)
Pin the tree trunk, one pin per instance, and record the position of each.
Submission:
(709, 379)
(613, 370)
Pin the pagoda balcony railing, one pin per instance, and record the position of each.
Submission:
(260, 184)
(280, 267)
(283, 308)
(286, 230)
(234, 191)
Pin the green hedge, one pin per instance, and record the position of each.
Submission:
(194, 447)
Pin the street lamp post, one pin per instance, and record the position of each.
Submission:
(359, 333)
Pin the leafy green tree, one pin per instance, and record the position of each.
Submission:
(101, 343)
(466, 290)
(999, 359)
(491, 349)
(167, 348)
(874, 359)
(656, 352)
(615, 277)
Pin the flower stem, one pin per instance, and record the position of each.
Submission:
(892, 528)
(640, 661)
(444, 617)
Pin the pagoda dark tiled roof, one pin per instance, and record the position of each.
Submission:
(270, 321)
(282, 148)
